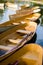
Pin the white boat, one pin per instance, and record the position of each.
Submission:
(38, 2)
(12, 6)
(2, 6)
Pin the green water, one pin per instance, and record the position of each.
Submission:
(4, 16)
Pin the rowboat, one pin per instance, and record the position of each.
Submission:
(32, 17)
(31, 57)
(25, 6)
(23, 23)
(18, 17)
(13, 39)
(21, 14)
(25, 55)
(28, 9)
(2, 6)
(38, 2)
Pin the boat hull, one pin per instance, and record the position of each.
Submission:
(12, 34)
(18, 55)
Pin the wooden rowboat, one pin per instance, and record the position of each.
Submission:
(32, 57)
(25, 55)
(25, 6)
(28, 9)
(32, 17)
(13, 39)
(24, 13)
(38, 2)
(20, 17)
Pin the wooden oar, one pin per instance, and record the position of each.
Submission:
(5, 47)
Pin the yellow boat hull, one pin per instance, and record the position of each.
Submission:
(20, 55)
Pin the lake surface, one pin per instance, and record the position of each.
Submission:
(38, 37)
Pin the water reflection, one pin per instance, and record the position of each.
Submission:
(1, 14)
(38, 21)
(40, 42)
(39, 32)
(38, 37)
(33, 40)
(41, 20)
(4, 14)
(2, 52)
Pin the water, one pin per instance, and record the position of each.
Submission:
(4, 14)
(2, 52)
(38, 38)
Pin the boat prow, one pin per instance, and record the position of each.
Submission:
(34, 17)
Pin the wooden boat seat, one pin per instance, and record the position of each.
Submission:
(23, 31)
(6, 47)
(23, 22)
(15, 42)
(15, 23)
